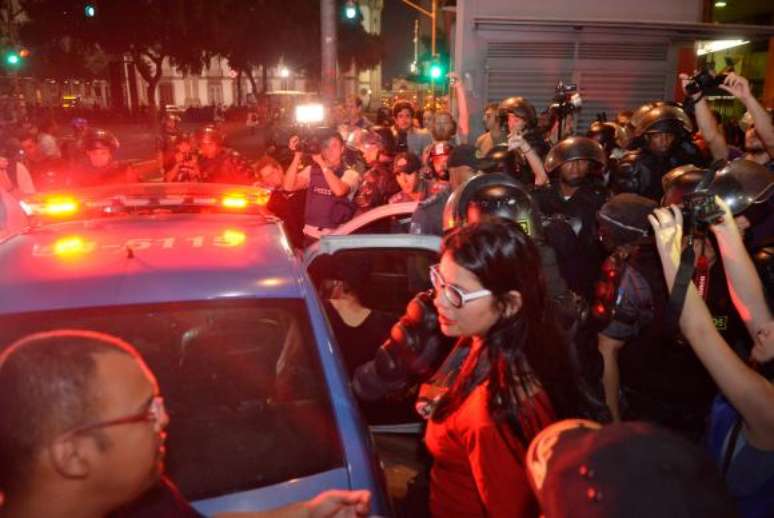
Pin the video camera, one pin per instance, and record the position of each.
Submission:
(308, 117)
(700, 211)
(566, 99)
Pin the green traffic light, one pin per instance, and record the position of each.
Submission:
(90, 10)
(351, 12)
(436, 71)
(12, 58)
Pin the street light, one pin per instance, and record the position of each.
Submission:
(284, 72)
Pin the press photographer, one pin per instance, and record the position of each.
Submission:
(329, 183)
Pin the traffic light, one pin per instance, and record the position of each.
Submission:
(12, 58)
(436, 71)
(90, 10)
(350, 10)
(433, 70)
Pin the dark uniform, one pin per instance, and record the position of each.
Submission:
(662, 381)
(580, 211)
(114, 173)
(428, 216)
(228, 166)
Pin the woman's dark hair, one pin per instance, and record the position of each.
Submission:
(520, 350)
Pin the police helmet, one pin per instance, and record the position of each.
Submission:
(662, 118)
(575, 148)
(500, 159)
(210, 132)
(492, 195)
(520, 107)
(679, 182)
(743, 183)
(609, 135)
(740, 184)
(98, 138)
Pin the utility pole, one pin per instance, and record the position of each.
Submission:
(433, 15)
(328, 44)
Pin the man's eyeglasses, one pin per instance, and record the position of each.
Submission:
(153, 414)
(454, 295)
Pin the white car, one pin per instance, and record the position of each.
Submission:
(392, 218)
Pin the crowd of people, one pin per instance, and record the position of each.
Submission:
(601, 306)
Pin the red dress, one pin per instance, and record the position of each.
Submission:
(474, 471)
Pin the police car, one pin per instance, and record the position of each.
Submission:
(202, 280)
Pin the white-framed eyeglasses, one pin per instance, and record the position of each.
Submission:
(454, 295)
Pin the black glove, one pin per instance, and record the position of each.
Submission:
(411, 354)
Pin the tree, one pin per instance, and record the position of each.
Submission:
(148, 31)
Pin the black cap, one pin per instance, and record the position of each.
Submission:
(623, 470)
(464, 154)
(406, 162)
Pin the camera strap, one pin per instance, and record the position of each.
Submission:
(680, 289)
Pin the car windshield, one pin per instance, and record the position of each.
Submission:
(242, 383)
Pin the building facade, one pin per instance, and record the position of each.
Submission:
(620, 53)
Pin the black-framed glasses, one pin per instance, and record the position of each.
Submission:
(152, 414)
(454, 295)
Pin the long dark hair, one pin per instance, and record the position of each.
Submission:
(520, 350)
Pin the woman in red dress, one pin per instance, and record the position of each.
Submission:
(508, 376)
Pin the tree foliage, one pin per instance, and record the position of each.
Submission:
(248, 33)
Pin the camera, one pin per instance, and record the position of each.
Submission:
(700, 210)
(703, 82)
(566, 99)
(309, 145)
(308, 116)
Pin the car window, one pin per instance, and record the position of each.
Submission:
(384, 281)
(242, 383)
(390, 277)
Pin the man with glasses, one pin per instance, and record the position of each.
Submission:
(82, 435)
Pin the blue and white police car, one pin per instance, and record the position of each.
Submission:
(202, 280)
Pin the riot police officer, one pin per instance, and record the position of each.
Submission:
(101, 167)
(662, 141)
(166, 141)
(218, 163)
(577, 194)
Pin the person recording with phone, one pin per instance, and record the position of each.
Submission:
(759, 135)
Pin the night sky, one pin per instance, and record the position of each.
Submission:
(398, 30)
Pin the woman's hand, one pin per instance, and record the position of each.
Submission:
(667, 226)
(726, 225)
(737, 86)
